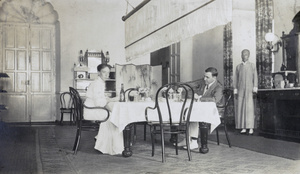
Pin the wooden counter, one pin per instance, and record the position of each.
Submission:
(280, 112)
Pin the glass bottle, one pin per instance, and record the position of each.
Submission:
(122, 94)
(80, 56)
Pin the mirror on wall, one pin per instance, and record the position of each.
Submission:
(290, 50)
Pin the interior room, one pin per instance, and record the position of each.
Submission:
(48, 46)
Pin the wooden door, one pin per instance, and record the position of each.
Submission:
(28, 58)
(174, 63)
(169, 58)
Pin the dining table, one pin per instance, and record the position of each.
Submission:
(125, 114)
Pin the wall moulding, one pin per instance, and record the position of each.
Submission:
(28, 11)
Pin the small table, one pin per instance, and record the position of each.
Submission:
(125, 113)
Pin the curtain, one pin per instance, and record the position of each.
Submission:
(228, 68)
(227, 56)
(264, 18)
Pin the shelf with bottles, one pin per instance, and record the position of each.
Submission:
(2, 105)
(110, 84)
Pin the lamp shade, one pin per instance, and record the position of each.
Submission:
(269, 37)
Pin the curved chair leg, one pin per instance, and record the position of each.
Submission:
(217, 132)
(162, 145)
(134, 132)
(188, 145)
(76, 140)
(152, 141)
(61, 118)
(77, 144)
(71, 118)
(176, 144)
(74, 117)
(227, 137)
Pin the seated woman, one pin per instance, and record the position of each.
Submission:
(109, 140)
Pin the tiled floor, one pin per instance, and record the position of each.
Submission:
(54, 155)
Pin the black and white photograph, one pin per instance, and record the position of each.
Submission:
(149, 86)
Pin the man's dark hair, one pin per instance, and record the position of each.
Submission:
(214, 71)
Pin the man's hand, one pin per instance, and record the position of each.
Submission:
(235, 92)
(255, 89)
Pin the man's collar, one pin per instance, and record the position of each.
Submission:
(209, 85)
(244, 63)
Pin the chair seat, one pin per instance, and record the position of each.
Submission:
(170, 131)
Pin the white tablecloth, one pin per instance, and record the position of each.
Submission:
(124, 113)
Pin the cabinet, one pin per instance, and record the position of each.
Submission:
(280, 112)
(86, 71)
(291, 51)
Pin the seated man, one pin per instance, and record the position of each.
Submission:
(206, 89)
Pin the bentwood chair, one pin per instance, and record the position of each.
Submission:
(130, 98)
(82, 124)
(66, 106)
(223, 111)
(173, 123)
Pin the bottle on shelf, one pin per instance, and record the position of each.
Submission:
(122, 94)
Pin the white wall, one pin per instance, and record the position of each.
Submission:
(208, 52)
(186, 60)
(92, 25)
(243, 30)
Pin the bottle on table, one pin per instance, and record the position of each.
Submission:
(122, 94)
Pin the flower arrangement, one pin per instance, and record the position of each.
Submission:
(172, 94)
(179, 94)
(179, 90)
(143, 92)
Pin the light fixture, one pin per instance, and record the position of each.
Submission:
(274, 42)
